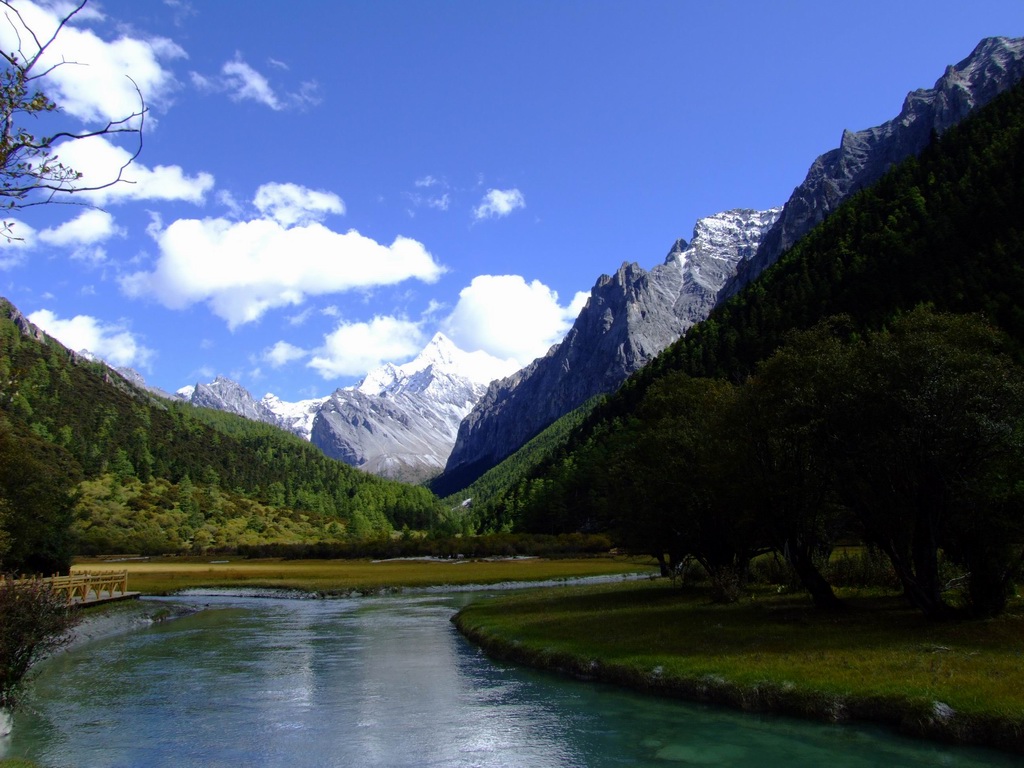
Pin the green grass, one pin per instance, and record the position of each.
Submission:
(877, 661)
(165, 575)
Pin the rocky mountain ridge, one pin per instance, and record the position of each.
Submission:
(401, 421)
(862, 157)
(634, 314)
(224, 394)
(629, 318)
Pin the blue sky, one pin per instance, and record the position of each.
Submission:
(325, 185)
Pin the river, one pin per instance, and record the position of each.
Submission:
(387, 681)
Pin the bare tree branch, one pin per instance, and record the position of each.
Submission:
(31, 173)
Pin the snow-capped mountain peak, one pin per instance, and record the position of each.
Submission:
(441, 357)
(401, 419)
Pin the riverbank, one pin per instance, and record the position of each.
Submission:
(103, 621)
(98, 622)
(877, 662)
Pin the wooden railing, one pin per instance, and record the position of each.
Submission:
(88, 587)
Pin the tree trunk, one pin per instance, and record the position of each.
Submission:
(921, 588)
(799, 555)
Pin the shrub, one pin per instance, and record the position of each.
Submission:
(35, 621)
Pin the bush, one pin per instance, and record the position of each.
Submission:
(861, 567)
(35, 621)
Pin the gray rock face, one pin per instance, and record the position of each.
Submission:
(223, 394)
(136, 379)
(862, 158)
(401, 421)
(629, 318)
(23, 323)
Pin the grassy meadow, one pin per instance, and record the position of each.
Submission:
(165, 575)
(878, 660)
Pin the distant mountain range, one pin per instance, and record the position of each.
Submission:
(399, 422)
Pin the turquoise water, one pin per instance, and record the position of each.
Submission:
(387, 682)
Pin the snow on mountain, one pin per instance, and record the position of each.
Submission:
(440, 355)
(223, 394)
(295, 417)
(401, 421)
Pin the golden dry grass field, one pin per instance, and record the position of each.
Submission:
(165, 575)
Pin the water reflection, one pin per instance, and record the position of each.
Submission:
(385, 682)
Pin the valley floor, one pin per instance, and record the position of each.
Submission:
(878, 661)
(166, 575)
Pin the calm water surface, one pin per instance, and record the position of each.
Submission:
(387, 682)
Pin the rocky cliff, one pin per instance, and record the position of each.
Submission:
(223, 394)
(864, 156)
(629, 318)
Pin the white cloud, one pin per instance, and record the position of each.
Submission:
(243, 269)
(283, 353)
(290, 204)
(440, 203)
(300, 318)
(355, 348)
(225, 198)
(245, 83)
(94, 255)
(437, 197)
(98, 161)
(499, 203)
(91, 227)
(308, 95)
(90, 76)
(509, 318)
(84, 235)
(109, 341)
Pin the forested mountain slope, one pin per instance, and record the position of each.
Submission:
(158, 475)
(867, 387)
(634, 314)
(945, 228)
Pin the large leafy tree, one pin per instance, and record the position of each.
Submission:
(671, 482)
(787, 416)
(37, 497)
(35, 621)
(929, 455)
